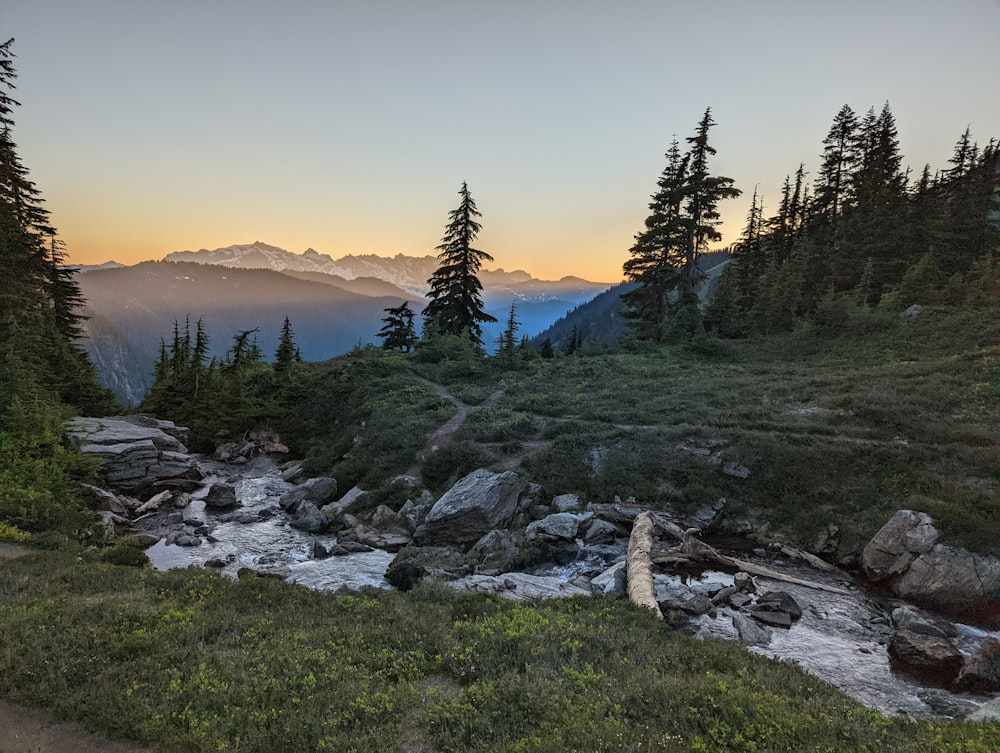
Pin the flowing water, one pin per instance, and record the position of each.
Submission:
(267, 542)
(839, 638)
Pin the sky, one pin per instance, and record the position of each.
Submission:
(349, 126)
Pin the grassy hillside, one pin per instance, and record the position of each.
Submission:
(798, 432)
(820, 428)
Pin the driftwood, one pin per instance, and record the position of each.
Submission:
(641, 556)
(639, 567)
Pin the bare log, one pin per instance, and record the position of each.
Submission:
(639, 566)
(699, 549)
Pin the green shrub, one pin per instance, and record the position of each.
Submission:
(446, 466)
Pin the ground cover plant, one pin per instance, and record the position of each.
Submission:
(190, 661)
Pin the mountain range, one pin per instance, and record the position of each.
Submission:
(333, 304)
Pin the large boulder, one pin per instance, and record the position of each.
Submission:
(933, 658)
(478, 503)
(898, 543)
(308, 518)
(220, 497)
(954, 581)
(136, 452)
(318, 491)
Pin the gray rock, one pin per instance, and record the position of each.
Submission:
(413, 563)
(980, 671)
(497, 550)
(309, 518)
(988, 712)
(912, 312)
(318, 491)
(387, 540)
(599, 531)
(608, 582)
(292, 472)
(954, 581)
(778, 601)
(478, 503)
(930, 657)
(346, 503)
(220, 497)
(750, 632)
(735, 469)
(566, 503)
(897, 544)
(134, 457)
(519, 586)
(707, 515)
(559, 526)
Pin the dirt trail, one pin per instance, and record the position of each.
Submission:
(26, 731)
(443, 435)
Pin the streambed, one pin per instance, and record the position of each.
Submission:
(842, 639)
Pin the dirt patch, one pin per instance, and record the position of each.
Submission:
(26, 731)
(9, 551)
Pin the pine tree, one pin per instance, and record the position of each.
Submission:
(285, 355)
(507, 337)
(682, 223)
(39, 297)
(398, 332)
(840, 158)
(456, 305)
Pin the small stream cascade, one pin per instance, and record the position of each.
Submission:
(840, 638)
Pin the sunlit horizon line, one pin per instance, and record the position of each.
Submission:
(591, 272)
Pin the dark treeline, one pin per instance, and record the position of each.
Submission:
(864, 234)
(45, 375)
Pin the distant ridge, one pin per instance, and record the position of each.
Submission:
(409, 273)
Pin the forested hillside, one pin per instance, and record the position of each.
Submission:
(45, 376)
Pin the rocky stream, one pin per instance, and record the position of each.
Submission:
(246, 515)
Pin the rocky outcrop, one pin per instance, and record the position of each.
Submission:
(954, 581)
(478, 503)
(137, 453)
(947, 579)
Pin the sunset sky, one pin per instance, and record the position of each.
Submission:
(348, 127)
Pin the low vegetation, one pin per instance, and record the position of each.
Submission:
(188, 660)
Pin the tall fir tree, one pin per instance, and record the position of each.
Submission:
(683, 222)
(285, 355)
(455, 305)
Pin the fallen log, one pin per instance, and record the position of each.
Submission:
(700, 550)
(639, 566)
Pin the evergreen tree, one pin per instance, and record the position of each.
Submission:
(456, 306)
(285, 355)
(840, 157)
(683, 221)
(398, 332)
(507, 337)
